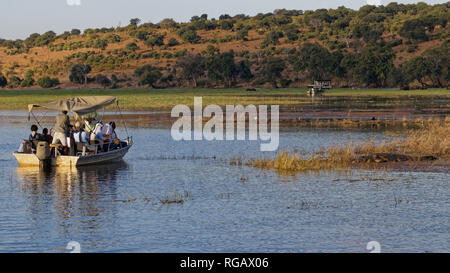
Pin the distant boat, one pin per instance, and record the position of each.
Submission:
(318, 87)
(50, 155)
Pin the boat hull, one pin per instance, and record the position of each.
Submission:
(25, 160)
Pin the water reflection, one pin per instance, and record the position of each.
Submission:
(79, 197)
(232, 208)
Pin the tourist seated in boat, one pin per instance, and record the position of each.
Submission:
(97, 137)
(45, 136)
(107, 131)
(62, 127)
(79, 134)
(90, 120)
(81, 138)
(113, 129)
(34, 137)
(96, 134)
(116, 141)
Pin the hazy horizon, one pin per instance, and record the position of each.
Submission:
(23, 18)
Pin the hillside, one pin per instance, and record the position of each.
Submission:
(387, 46)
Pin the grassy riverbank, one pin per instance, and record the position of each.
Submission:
(147, 99)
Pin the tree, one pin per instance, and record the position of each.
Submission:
(195, 18)
(132, 47)
(316, 60)
(348, 64)
(272, 69)
(155, 40)
(437, 61)
(189, 35)
(148, 75)
(79, 73)
(272, 38)
(414, 29)
(211, 50)
(47, 38)
(367, 32)
(192, 67)
(374, 65)
(75, 31)
(173, 42)
(226, 24)
(416, 69)
(47, 82)
(168, 23)
(140, 34)
(27, 82)
(291, 32)
(3, 80)
(103, 80)
(242, 34)
(135, 22)
(221, 67)
(224, 17)
(14, 81)
(244, 70)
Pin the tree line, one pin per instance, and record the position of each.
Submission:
(354, 47)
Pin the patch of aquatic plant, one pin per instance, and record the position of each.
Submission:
(176, 198)
(427, 143)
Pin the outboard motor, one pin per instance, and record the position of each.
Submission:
(43, 152)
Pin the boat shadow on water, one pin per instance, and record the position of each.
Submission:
(69, 184)
(90, 173)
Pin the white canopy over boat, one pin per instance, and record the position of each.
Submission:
(77, 105)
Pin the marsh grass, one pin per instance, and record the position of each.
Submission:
(350, 123)
(431, 140)
(143, 99)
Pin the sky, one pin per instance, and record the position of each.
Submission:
(20, 18)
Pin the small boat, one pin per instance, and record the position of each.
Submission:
(50, 155)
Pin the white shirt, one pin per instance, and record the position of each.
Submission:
(84, 137)
(106, 130)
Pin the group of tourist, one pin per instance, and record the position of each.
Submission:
(44, 136)
(91, 133)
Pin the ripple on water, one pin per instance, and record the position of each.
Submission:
(118, 208)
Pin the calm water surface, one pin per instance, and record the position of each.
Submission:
(117, 208)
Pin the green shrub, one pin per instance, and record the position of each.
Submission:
(47, 82)
(27, 82)
(188, 34)
(103, 80)
(173, 42)
(3, 80)
(132, 47)
(14, 81)
(148, 75)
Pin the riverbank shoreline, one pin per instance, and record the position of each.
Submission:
(165, 99)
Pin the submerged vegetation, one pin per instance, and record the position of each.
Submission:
(428, 143)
